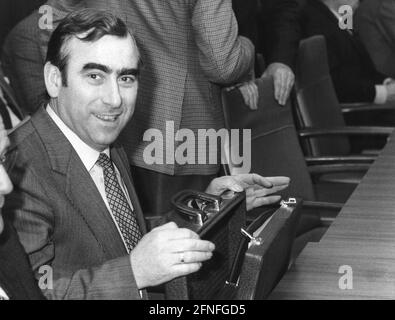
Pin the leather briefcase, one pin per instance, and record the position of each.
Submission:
(218, 219)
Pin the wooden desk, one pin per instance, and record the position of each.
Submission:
(362, 237)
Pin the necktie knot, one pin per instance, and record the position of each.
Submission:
(104, 161)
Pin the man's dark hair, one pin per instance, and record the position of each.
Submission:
(87, 25)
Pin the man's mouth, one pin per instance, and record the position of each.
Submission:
(107, 117)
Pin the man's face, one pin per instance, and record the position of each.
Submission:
(5, 183)
(101, 90)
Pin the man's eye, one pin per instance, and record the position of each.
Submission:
(128, 79)
(94, 76)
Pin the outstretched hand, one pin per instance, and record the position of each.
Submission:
(259, 190)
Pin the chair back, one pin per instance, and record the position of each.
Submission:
(274, 145)
(317, 104)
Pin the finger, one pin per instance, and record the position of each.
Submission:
(243, 94)
(254, 88)
(264, 201)
(250, 96)
(253, 178)
(169, 225)
(191, 245)
(191, 257)
(283, 88)
(262, 192)
(183, 269)
(277, 86)
(180, 233)
(288, 87)
(278, 181)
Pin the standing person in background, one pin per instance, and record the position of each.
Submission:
(353, 73)
(25, 49)
(375, 23)
(13, 11)
(190, 49)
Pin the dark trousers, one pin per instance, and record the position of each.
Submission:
(155, 190)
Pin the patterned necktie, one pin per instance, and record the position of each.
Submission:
(120, 208)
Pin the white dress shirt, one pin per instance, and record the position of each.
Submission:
(3, 295)
(89, 156)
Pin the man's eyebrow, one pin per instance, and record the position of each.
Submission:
(129, 71)
(97, 66)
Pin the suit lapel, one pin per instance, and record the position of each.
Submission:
(75, 180)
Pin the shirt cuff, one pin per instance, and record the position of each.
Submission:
(381, 94)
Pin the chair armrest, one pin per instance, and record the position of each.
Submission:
(323, 205)
(351, 130)
(338, 168)
(340, 159)
(363, 107)
(326, 220)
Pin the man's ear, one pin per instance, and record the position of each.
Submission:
(53, 79)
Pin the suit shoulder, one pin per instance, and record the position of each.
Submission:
(21, 132)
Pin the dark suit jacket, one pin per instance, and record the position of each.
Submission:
(61, 219)
(8, 93)
(273, 27)
(23, 63)
(16, 276)
(13, 11)
(375, 22)
(353, 73)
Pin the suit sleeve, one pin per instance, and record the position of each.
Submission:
(34, 222)
(280, 31)
(23, 64)
(351, 85)
(224, 56)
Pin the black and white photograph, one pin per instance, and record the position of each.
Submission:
(197, 155)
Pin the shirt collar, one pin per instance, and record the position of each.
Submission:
(87, 154)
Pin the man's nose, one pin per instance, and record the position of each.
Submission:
(5, 182)
(111, 94)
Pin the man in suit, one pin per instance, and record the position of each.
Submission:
(16, 278)
(190, 49)
(375, 22)
(74, 206)
(273, 27)
(354, 76)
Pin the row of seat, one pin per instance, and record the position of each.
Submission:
(308, 141)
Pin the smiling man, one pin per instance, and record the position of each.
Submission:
(74, 206)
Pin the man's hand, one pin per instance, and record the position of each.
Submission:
(284, 80)
(168, 252)
(249, 91)
(258, 189)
